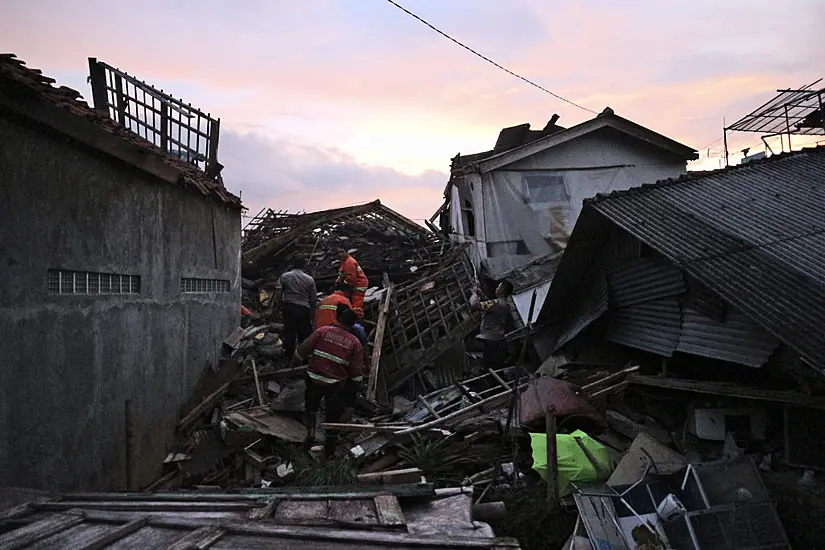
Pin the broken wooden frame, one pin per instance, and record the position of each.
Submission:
(426, 318)
(444, 408)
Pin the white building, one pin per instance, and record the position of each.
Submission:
(519, 202)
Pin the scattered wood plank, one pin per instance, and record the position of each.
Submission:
(188, 421)
(199, 538)
(406, 475)
(110, 537)
(389, 511)
(39, 530)
(372, 383)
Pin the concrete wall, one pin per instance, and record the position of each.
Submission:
(69, 362)
(599, 162)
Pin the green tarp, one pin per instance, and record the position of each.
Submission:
(574, 465)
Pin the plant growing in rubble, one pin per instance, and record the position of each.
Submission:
(433, 457)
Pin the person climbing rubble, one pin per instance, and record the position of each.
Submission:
(494, 324)
(335, 372)
(350, 273)
(298, 299)
(327, 313)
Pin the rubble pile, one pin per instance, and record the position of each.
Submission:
(597, 434)
(381, 239)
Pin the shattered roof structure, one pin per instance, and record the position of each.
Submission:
(384, 241)
(27, 93)
(799, 111)
(753, 235)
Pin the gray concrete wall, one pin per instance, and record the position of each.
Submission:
(69, 362)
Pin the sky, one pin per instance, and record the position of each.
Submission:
(327, 103)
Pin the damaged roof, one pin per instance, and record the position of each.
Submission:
(753, 234)
(518, 142)
(19, 84)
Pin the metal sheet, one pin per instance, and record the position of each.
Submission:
(652, 326)
(737, 339)
(642, 280)
(753, 234)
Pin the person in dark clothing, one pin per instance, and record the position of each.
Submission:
(298, 300)
(494, 324)
(336, 369)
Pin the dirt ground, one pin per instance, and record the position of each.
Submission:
(802, 512)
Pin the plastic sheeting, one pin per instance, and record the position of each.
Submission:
(522, 301)
(521, 211)
(573, 463)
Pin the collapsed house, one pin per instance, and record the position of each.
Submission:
(519, 201)
(714, 282)
(120, 275)
(427, 280)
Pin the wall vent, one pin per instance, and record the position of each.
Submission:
(60, 281)
(190, 285)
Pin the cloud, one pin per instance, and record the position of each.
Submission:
(328, 91)
(287, 175)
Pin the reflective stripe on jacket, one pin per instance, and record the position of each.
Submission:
(328, 309)
(335, 354)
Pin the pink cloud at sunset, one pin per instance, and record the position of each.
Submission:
(326, 103)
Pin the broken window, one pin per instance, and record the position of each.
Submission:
(60, 281)
(469, 218)
(541, 188)
(507, 248)
(191, 285)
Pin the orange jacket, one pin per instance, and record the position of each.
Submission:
(326, 314)
(353, 275)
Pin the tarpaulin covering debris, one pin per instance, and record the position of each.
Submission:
(580, 459)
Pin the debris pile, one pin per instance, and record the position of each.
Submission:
(598, 435)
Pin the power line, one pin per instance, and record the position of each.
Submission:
(711, 143)
(488, 60)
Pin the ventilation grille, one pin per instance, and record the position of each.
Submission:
(189, 285)
(88, 283)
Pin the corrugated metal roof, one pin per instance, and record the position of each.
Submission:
(652, 326)
(753, 234)
(736, 339)
(643, 279)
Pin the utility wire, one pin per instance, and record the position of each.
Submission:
(488, 60)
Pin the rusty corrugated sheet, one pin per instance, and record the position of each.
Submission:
(652, 326)
(737, 339)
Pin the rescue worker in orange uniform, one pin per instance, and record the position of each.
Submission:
(327, 310)
(350, 273)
